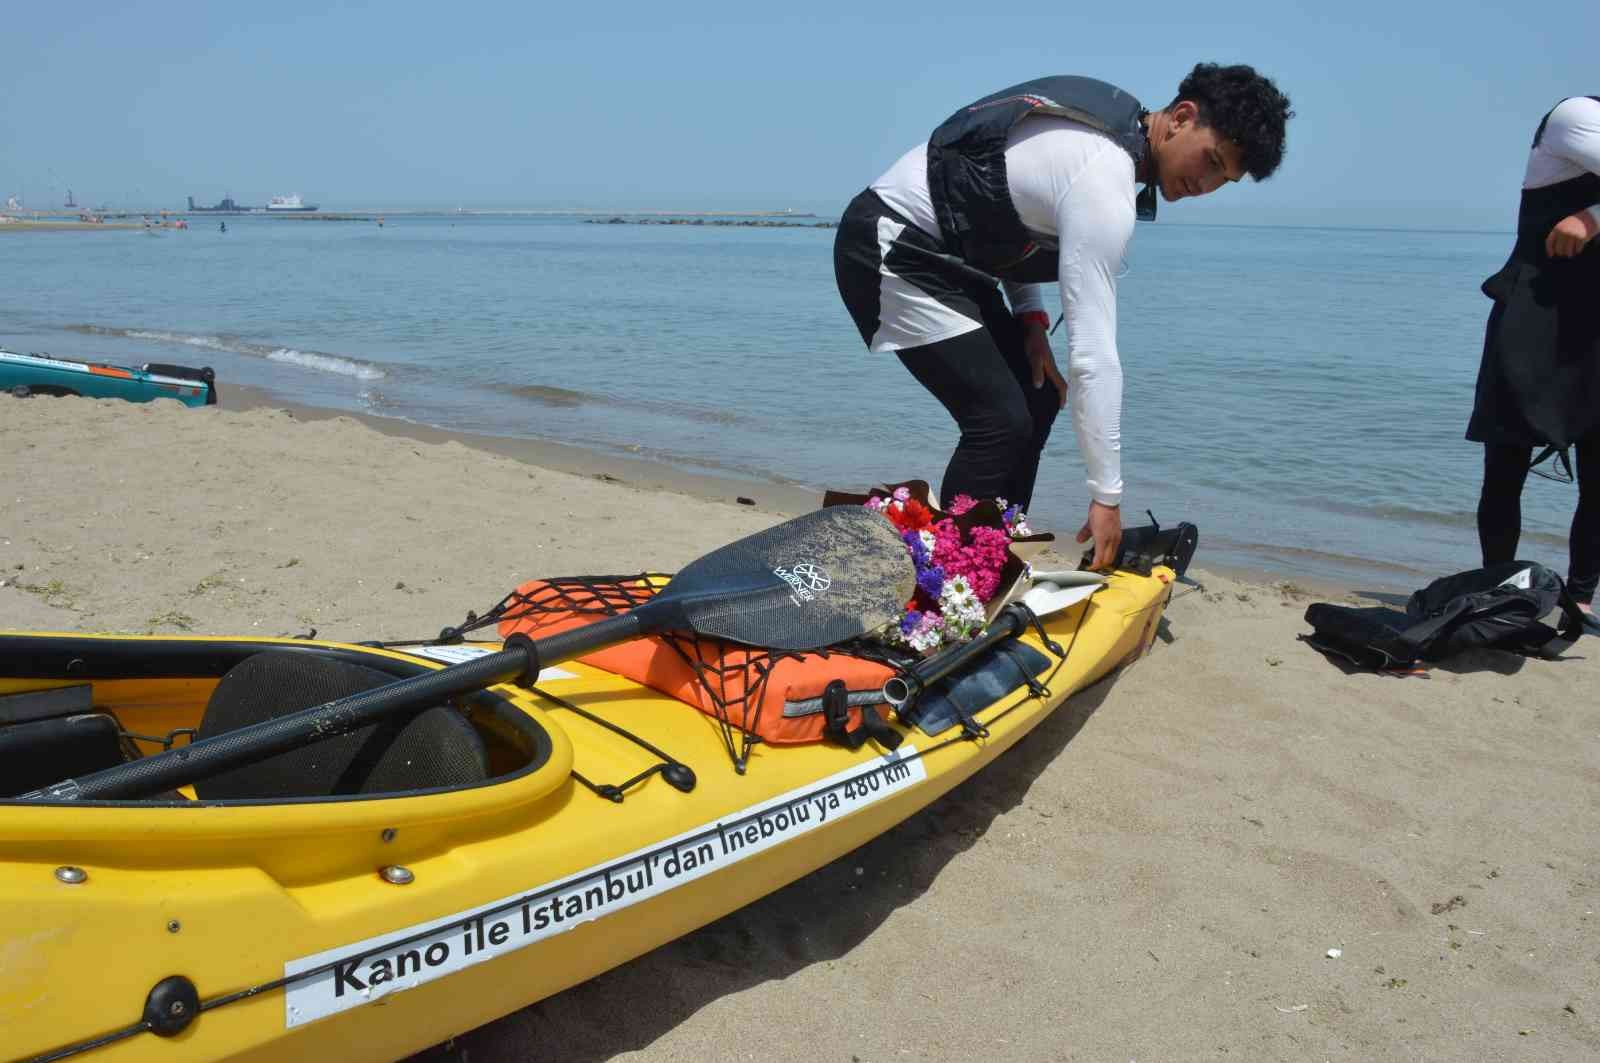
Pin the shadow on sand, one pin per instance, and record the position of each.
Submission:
(819, 918)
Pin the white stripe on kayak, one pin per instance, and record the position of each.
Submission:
(364, 971)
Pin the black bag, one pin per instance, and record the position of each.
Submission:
(1503, 606)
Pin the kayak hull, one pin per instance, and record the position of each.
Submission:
(298, 941)
(26, 375)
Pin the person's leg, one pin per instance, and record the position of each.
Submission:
(1505, 469)
(998, 455)
(1043, 402)
(1583, 557)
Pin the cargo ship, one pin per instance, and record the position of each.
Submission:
(227, 206)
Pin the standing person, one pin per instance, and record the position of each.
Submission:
(1030, 185)
(1539, 382)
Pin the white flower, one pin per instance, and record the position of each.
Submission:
(962, 609)
(957, 595)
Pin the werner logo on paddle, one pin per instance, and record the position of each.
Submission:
(807, 579)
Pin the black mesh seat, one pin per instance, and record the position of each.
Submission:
(427, 749)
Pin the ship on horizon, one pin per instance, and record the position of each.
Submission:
(226, 206)
(288, 203)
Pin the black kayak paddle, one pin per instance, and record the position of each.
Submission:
(810, 582)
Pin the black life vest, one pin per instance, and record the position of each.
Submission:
(967, 170)
(1503, 606)
(1539, 383)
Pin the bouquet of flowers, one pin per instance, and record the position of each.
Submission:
(964, 560)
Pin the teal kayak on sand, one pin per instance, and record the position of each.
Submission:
(36, 374)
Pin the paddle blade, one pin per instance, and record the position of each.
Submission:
(809, 582)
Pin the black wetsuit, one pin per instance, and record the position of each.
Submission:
(1539, 382)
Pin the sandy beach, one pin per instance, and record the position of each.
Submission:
(1232, 850)
(14, 225)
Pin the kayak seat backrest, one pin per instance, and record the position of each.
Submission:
(428, 749)
(40, 752)
(181, 372)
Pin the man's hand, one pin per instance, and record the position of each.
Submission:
(1105, 527)
(1036, 344)
(1568, 238)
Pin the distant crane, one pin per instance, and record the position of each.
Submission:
(70, 205)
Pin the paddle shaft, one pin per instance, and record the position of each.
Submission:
(212, 756)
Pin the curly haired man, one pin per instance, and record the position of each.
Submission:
(1030, 185)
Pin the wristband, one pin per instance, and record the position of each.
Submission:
(1037, 317)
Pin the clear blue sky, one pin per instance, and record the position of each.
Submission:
(1409, 114)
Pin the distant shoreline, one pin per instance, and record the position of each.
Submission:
(29, 226)
(750, 223)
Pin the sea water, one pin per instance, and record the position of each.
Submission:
(1299, 394)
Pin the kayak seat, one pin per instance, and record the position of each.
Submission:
(427, 749)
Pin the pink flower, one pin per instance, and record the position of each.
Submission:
(947, 556)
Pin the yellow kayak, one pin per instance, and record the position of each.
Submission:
(547, 837)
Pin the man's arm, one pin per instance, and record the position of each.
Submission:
(1573, 134)
(1095, 221)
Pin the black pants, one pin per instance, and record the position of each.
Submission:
(983, 378)
(1505, 468)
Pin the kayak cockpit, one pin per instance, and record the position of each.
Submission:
(72, 705)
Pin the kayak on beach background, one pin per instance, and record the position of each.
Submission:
(25, 375)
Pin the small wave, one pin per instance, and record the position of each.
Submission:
(1294, 558)
(551, 396)
(210, 343)
(700, 413)
(326, 363)
(1396, 514)
(376, 402)
(314, 360)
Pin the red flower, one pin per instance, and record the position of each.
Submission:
(910, 515)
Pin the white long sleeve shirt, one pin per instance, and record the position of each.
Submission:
(1076, 184)
(1569, 148)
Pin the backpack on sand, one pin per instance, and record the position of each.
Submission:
(1503, 606)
